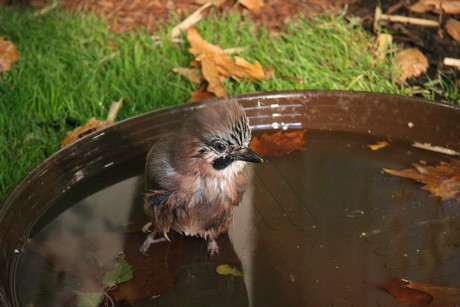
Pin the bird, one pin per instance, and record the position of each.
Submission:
(196, 178)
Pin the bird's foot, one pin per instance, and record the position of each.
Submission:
(149, 241)
(146, 228)
(213, 248)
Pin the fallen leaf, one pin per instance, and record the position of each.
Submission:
(453, 29)
(225, 269)
(442, 181)
(279, 144)
(409, 63)
(443, 6)
(216, 64)
(8, 55)
(193, 74)
(252, 5)
(122, 272)
(415, 293)
(198, 45)
(420, 7)
(200, 94)
(92, 125)
(378, 145)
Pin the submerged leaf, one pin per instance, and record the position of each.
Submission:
(225, 269)
(442, 181)
(415, 293)
(89, 299)
(279, 144)
(120, 273)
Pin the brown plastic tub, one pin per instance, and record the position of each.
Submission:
(322, 226)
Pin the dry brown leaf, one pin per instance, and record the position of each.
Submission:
(252, 5)
(193, 74)
(216, 64)
(199, 45)
(200, 94)
(453, 29)
(409, 63)
(93, 124)
(378, 145)
(442, 181)
(8, 55)
(420, 7)
(279, 144)
(415, 293)
(444, 6)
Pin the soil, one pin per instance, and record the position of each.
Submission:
(434, 42)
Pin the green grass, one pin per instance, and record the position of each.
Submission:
(73, 66)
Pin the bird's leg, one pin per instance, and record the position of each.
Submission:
(149, 241)
(146, 228)
(213, 248)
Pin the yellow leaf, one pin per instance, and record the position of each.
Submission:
(378, 145)
(225, 269)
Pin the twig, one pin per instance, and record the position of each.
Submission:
(452, 62)
(113, 111)
(189, 21)
(396, 6)
(403, 19)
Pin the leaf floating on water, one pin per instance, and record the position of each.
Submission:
(279, 144)
(442, 181)
(434, 148)
(378, 145)
(415, 293)
(8, 55)
(225, 269)
(89, 299)
(120, 273)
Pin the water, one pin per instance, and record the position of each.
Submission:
(321, 227)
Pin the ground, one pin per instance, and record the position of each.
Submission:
(125, 15)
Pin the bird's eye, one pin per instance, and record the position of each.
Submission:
(219, 146)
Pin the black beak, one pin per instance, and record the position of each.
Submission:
(246, 154)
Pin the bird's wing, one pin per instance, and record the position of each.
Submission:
(158, 166)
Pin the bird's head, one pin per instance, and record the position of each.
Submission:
(219, 134)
